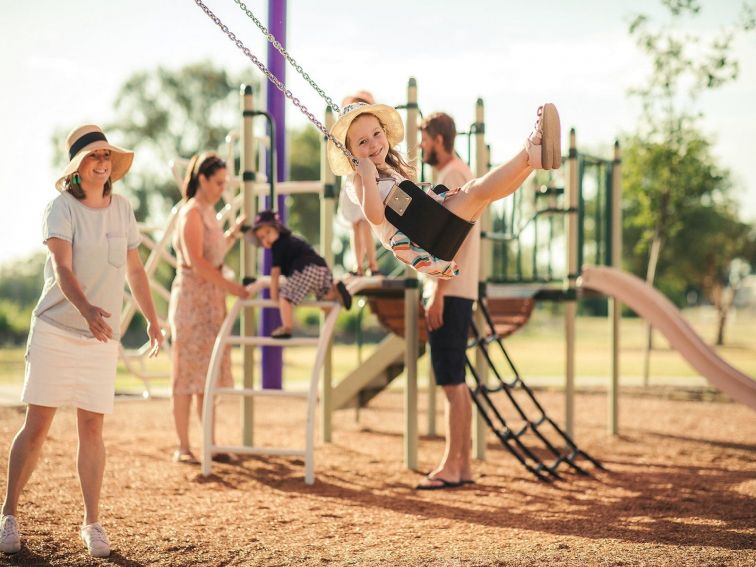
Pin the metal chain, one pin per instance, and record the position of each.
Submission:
(273, 79)
(272, 39)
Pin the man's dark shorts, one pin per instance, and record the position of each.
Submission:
(449, 342)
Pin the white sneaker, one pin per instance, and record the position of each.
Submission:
(10, 540)
(96, 540)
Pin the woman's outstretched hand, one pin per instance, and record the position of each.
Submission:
(238, 290)
(95, 317)
(156, 338)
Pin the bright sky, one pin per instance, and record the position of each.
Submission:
(63, 62)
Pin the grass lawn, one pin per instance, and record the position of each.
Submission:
(537, 350)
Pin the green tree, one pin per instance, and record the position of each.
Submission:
(20, 286)
(304, 165)
(712, 252)
(164, 114)
(21, 281)
(661, 183)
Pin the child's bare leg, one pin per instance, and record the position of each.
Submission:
(357, 248)
(369, 247)
(287, 316)
(542, 151)
(498, 183)
(331, 294)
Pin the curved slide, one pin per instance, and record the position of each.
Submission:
(664, 316)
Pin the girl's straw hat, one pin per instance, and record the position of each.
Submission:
(388, 117)
(86, 139)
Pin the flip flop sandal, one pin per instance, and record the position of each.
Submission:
(346, 297)
(184, 457)
(443, 486)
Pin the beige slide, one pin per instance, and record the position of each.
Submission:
(655, 308)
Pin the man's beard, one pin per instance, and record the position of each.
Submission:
(430, 158)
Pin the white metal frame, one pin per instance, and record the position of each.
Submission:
(135, 359)
(311, 395)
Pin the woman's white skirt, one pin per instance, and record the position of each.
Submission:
(65, 369)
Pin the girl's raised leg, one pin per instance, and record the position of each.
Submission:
(542, 151)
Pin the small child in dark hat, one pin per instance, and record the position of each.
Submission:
(305, 270)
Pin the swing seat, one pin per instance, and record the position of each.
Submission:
(425, 221)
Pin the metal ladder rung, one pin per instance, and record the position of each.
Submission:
(269, 341)
(262, 393)
(539, 421)
(240, 450)
(259, 302)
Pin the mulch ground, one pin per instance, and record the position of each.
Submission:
(680, 489)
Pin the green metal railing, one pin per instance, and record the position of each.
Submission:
(529, 234)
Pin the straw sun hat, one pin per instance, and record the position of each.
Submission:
(86, 139)
(388, 117)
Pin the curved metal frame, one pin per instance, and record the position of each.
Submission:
(225, 338)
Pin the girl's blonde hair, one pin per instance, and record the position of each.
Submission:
(394, 159)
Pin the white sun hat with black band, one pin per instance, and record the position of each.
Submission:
(89, 138)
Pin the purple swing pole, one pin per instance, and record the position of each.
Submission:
(272, 357)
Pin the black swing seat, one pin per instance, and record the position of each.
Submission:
(425, 221)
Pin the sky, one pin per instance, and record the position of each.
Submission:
(63, 63)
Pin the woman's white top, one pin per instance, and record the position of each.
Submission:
(100, 239)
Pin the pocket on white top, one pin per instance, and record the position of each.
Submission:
(117, 250)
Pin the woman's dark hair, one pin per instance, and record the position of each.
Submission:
(76, 190)
(201, 164)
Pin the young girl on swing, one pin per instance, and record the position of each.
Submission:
(370, 132)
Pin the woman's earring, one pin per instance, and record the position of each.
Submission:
(76, 179)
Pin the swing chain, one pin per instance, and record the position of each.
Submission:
(272, 39)
(275, 80)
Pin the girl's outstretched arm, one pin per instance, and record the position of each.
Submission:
(366, 188)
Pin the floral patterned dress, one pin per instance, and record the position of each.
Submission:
(197, 310)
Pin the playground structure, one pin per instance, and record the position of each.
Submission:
(525, 273)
